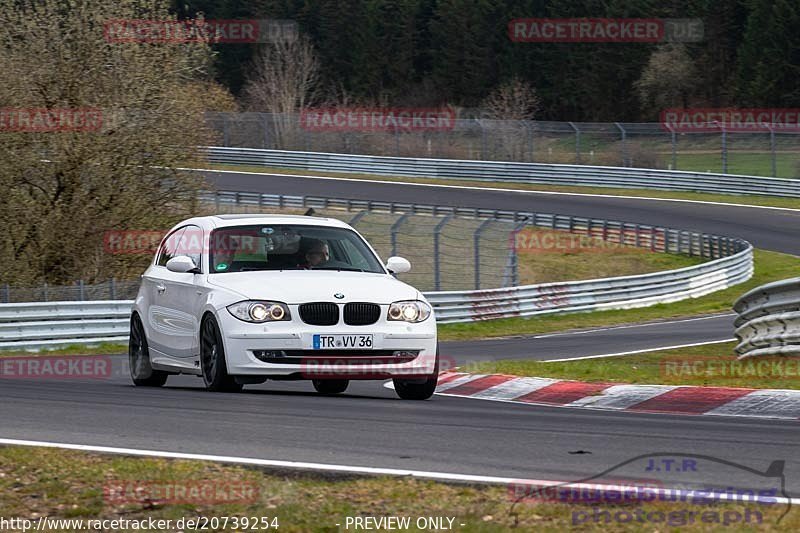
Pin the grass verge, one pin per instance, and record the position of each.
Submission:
(767, 201)
(104, 348)
(586, 258)
(38, 482)
(769, 266)
(713, 365)
(751, 163)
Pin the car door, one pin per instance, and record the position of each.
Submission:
(164, 322)
(187, 295)
(179, 301)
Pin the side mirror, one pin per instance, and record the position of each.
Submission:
(398, 265)
(183, 264)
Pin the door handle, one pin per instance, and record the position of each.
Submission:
(160, 288)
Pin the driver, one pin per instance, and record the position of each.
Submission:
(316, 254)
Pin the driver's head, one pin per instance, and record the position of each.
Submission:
(317, 252)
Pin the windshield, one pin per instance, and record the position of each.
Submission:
(289, 247)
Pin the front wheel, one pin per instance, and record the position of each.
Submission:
(142, 372)
(418, 390)
(212, 359)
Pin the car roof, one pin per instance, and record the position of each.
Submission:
(248, 219)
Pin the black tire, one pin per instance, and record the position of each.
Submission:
(142, 372)
(212, 359)
(414, 389)
(330, 386)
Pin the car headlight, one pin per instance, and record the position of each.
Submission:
(260, 311)
(409, 311)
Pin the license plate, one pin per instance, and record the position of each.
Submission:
(342, 342)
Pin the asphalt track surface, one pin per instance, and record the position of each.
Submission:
(369, 426)
(593, 342)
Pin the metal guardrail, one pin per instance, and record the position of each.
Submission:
(769, 320)
(41, 325)
(772, 152)
(530, 173)
(594, 295)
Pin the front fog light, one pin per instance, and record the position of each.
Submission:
(268, 356)
(409, 311)
(259, 311)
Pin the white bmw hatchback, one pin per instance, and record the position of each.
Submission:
(239, 299)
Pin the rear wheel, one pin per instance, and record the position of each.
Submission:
(412, 389)
(142, 372)
(212, 359)
(330, 386)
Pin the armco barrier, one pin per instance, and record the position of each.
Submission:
(593, 295)
(50, 324)
(532, 173)
(769, 320)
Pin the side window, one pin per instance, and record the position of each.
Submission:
(191, 244)
(169, 247)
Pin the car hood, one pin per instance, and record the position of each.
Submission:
(300, 286)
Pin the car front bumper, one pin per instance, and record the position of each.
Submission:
(388, 358)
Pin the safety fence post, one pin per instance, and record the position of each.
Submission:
(577, 143)
(476, 237)
(625, 161)
(437, 269)
(395, 228)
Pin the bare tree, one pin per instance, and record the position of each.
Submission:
(515, 99)
(668, 79)
(284, 81)
(62, 190)
(508, 106)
